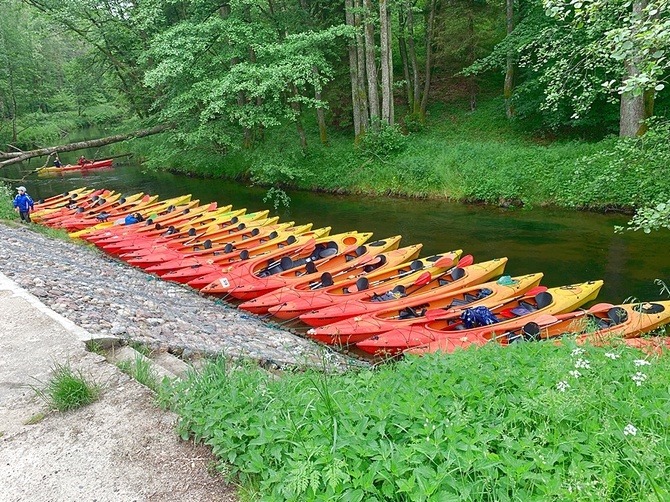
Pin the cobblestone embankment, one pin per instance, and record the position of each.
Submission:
(106, 296)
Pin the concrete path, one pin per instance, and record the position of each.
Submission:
(120, 448)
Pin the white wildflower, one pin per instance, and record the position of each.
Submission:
(641, 362)
(629, 430)
(562, 385)
(577, 352)
(575, 373)
(638, 378)
(582, 363)
(612, 355)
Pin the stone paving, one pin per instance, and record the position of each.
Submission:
(106, 296)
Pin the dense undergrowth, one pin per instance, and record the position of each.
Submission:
(467, 156)
(527, 422)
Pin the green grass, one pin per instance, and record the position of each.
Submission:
(140, 369)
(493, 424)
(67, 389)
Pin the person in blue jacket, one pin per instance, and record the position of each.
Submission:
(23, 204)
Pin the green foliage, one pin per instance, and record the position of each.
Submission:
(68, 389)
(628, 173)
(6, 198)
(477, 425)
(383, 140)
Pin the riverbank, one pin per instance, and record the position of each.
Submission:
(474, 157)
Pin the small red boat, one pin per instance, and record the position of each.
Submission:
(76, 167)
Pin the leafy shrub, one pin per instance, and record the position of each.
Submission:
(383, 142)
(478, 425)
(6, 199)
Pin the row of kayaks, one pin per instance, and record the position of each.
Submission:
(347, 287)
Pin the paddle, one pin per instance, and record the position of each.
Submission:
(435, 314)
(443, 262)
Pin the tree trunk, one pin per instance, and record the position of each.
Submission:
(471, 43)
(320, 113)
(416, 91)
(353, 71)
(14, 106)
(508, 87)
(429, 54)
(295, 105)
(360, 57)
(16, 157)
(632, 109)
(402, 46)
(386, 54)
(371, 65)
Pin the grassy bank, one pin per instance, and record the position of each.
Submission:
(528, 422)
(474, 157)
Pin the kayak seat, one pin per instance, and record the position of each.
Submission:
(457, 302)
(531, 331)
(362, 283)
(255, 232)
(617, 315)
(228, 248)
(274, 235)
(408, 313)
(326, 280)
(234, 220)
(122, 200)
(310, 268)
(244, 254)
(186, 211)
(191, 232)
(457, 273)
(543, 299)
(361, 250)
(328, 252)
(470, 298)
(207, 244)
(416, 265)
(291, 240)
(378, 262)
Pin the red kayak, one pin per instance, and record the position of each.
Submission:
(76, 167)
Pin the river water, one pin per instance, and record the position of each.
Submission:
(567, 246)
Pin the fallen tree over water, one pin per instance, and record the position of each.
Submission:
(20, 156)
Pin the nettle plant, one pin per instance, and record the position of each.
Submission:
(530, 421)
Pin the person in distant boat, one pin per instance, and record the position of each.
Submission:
(23, 204)
(83, 160)
(57, 162)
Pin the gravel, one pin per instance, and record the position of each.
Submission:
(108, 297)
